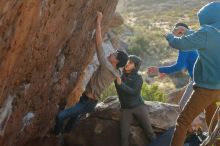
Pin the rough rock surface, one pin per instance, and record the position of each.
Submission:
(45, 47)
(102, 127)
(162, 115)
(117, 20)
(175, 96)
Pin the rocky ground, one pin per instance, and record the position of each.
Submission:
(102, 127)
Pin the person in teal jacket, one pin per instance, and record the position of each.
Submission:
(206, 71)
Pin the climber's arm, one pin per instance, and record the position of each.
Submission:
(99, 48)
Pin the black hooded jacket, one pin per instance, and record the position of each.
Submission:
(129, 92)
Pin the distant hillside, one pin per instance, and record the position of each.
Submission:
(150, 19)
(157, 13)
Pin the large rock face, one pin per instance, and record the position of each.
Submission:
(102, 128)
(45, 47)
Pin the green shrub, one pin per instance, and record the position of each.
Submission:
(110, 91)
(152, 93)
(138, 45)
(148, 92)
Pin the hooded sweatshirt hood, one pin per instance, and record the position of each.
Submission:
(206, 41)
(209, 14)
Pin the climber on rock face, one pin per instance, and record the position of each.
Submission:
(106, 73)
(128, 87)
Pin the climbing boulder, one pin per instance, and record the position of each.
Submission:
(45, 47)
(102, 127)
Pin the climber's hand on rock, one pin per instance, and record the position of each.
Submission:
(99, 17)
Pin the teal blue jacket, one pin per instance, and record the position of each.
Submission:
(129, 92)
(207, 41)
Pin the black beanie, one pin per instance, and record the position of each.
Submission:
(136, 60)
(122, 58)
(182, 24)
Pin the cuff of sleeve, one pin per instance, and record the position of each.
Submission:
(170, 37)
(160, 70)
